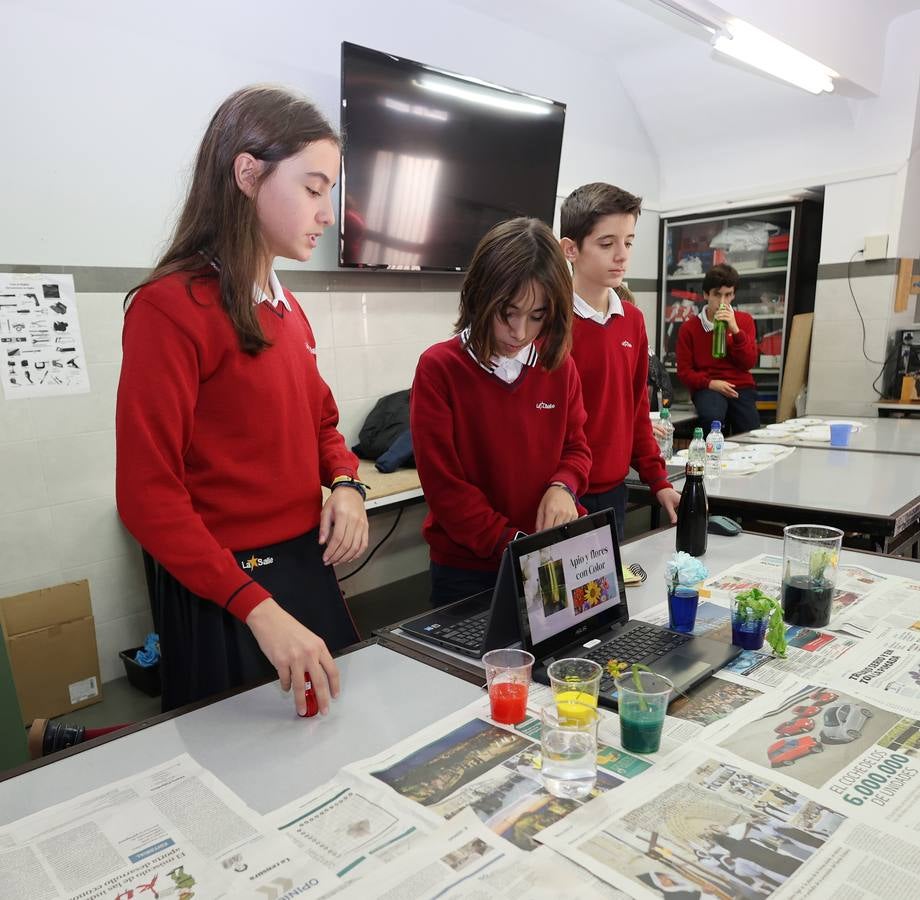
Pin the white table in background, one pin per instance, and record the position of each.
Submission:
(897, 436)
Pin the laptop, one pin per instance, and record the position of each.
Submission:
(572, 603)
(476, 624)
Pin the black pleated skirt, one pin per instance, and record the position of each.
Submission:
(206, 651)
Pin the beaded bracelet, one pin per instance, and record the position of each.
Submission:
(567, 489)
(359, 486)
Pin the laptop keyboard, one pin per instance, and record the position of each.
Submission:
(470, 633)
(641, 644)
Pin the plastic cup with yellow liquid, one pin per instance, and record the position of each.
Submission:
(575, 684)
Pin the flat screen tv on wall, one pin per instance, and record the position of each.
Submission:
(433, 160)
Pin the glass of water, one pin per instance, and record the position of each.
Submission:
(568, 741)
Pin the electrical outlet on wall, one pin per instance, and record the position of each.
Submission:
(875, 247)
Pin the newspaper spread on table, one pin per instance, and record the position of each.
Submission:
(174, 831)
(796, 778)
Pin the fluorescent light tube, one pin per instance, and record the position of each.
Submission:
(758, 49)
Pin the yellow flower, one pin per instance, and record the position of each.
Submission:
(615, 667)
(592, 593)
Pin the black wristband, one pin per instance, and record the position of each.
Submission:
(359, 486)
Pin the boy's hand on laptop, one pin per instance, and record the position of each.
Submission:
(556, 508)
(725, 388)
(670, 500)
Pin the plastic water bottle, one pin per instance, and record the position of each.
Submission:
(666, 441)
(714, 442)
(693, 512)
(696, 454)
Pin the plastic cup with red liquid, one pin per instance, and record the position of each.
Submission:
(508, 677)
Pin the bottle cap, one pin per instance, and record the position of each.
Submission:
(665, 414)
(716, 425)
(698, 433)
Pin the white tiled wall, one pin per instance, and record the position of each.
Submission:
(840, 378)
(57, 455)
(369, 343)
(57, 489)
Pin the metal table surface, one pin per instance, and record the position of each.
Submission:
(898, 436)
(869, 493)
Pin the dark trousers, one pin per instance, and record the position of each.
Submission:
(737, 414)
(206, 651)
(614, 499)
(450, 583)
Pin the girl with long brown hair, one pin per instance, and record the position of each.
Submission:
(226, 431)
(496, 411)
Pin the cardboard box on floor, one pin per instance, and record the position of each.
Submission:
(51, 641)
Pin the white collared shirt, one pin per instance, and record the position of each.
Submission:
(258, 295)
(585, 310)
(277, 290)
(507, 368)
(704, 320)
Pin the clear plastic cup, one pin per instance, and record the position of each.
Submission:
(840, 434)
(642, 702)
(574, 681)
(748, 630)
(508, 678)
(568, 742)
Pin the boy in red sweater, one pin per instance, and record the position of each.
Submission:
(722, 389)
(610, 349)
(496, 411)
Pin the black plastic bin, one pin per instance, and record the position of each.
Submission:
(144, 678)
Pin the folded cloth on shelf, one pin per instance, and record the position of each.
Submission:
(689, 265)
(771, 344)
(744, 236)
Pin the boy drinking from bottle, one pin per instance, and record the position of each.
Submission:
(721, 383)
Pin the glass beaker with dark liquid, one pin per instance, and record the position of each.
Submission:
(811, 554)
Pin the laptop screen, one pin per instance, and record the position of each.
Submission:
(569, 581)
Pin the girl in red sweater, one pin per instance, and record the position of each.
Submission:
(496, 411)
(225, 430)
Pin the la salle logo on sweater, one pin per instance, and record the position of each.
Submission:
(256, 562)
(627, 344)
(311, 349)
(543, 405)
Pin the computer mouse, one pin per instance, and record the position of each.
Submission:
(723, 525)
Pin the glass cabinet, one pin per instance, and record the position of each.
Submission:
(775, 251)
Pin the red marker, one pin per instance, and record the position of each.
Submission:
(310, 695)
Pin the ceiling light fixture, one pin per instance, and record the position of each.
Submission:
(756, 48)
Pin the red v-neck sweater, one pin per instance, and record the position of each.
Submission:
(696, 366)
(612, 360)
(218, 450)
(486, 451)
